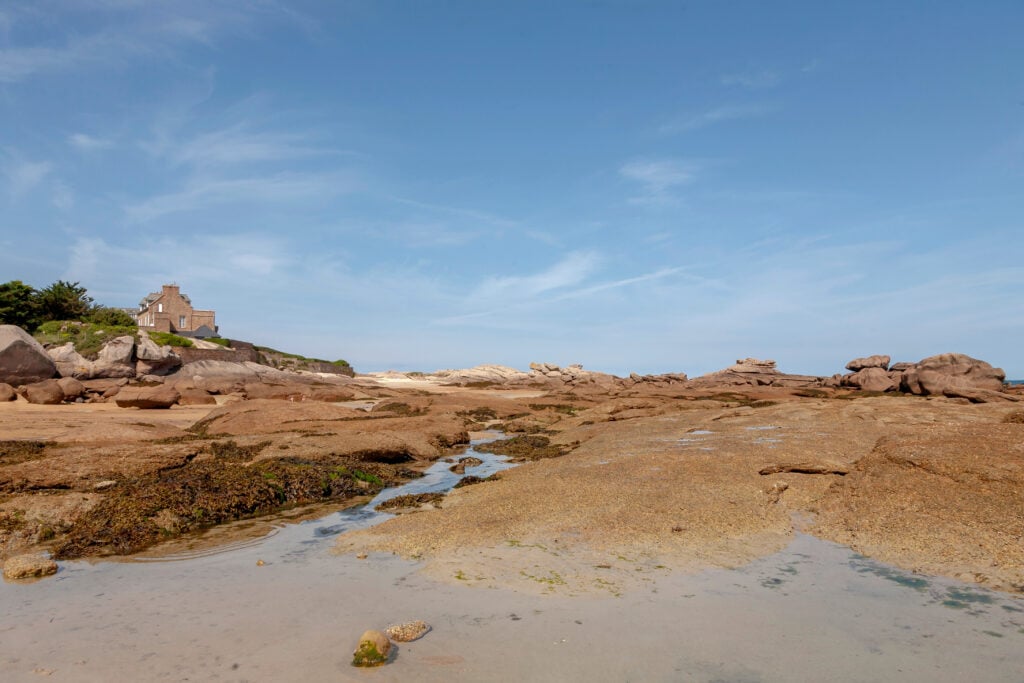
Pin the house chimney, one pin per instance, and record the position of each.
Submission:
(170, 289)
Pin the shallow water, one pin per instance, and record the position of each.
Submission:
(813, 612)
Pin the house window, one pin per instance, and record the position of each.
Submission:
(181, 321)
(159, 308)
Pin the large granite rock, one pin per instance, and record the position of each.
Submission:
(858, 364)
(7, 393)
(69, 362)
(147, 397)
(23, 360)
(937, 374)
(871, 378)
(47, 393)
(116, 358)
(71, 387)
(154, 359)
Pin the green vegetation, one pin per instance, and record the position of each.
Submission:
(526, 447)
(368, 655)
(168, 339)
(367, 477)
(88, 338)
(29, 308)
(142, 510)
(226, 343)
(293, 361)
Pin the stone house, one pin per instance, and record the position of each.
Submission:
(171, 311)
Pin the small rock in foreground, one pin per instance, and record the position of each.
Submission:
(373, 649)
(407, 632)
(29, 567)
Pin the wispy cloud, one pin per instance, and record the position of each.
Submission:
(87, 143)
(131, 30)
(24, 176)
(570, 271)
(658, 179)
(710, 117)
(201, 193)
(240, 145)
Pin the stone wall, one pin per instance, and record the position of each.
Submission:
(189, 355)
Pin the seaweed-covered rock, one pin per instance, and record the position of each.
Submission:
(373, 649)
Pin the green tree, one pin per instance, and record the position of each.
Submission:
(64, 301)
(19, 305)
(113, 317)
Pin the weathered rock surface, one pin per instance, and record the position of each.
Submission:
(71, 387)
(147, 397)
(48, 392)
(154, 359)
(7, 393)
(195, 397)
(226, 377)
(869, 362)
(116, 358)
(23, 360)
(872, 378)
(407, 632)
(373, 649)
(70, 363)
(753, 372)
(29, 567)
(492, 374)
(950, 371)
(979, 395)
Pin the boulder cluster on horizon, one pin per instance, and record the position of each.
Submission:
(141, 373)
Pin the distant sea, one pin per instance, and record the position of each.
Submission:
(1015, 381)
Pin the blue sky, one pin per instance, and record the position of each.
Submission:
(636, 186)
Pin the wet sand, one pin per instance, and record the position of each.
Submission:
(812, 612)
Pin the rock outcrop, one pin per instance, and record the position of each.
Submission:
(7, 393)
(753, 372)
(481, 374)
(858, 364)
(870, 378)
(147, 397)
(936, 375)
(116, 358)
(154, 359)
(23, 360)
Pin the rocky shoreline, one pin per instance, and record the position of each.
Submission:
(918, 464)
